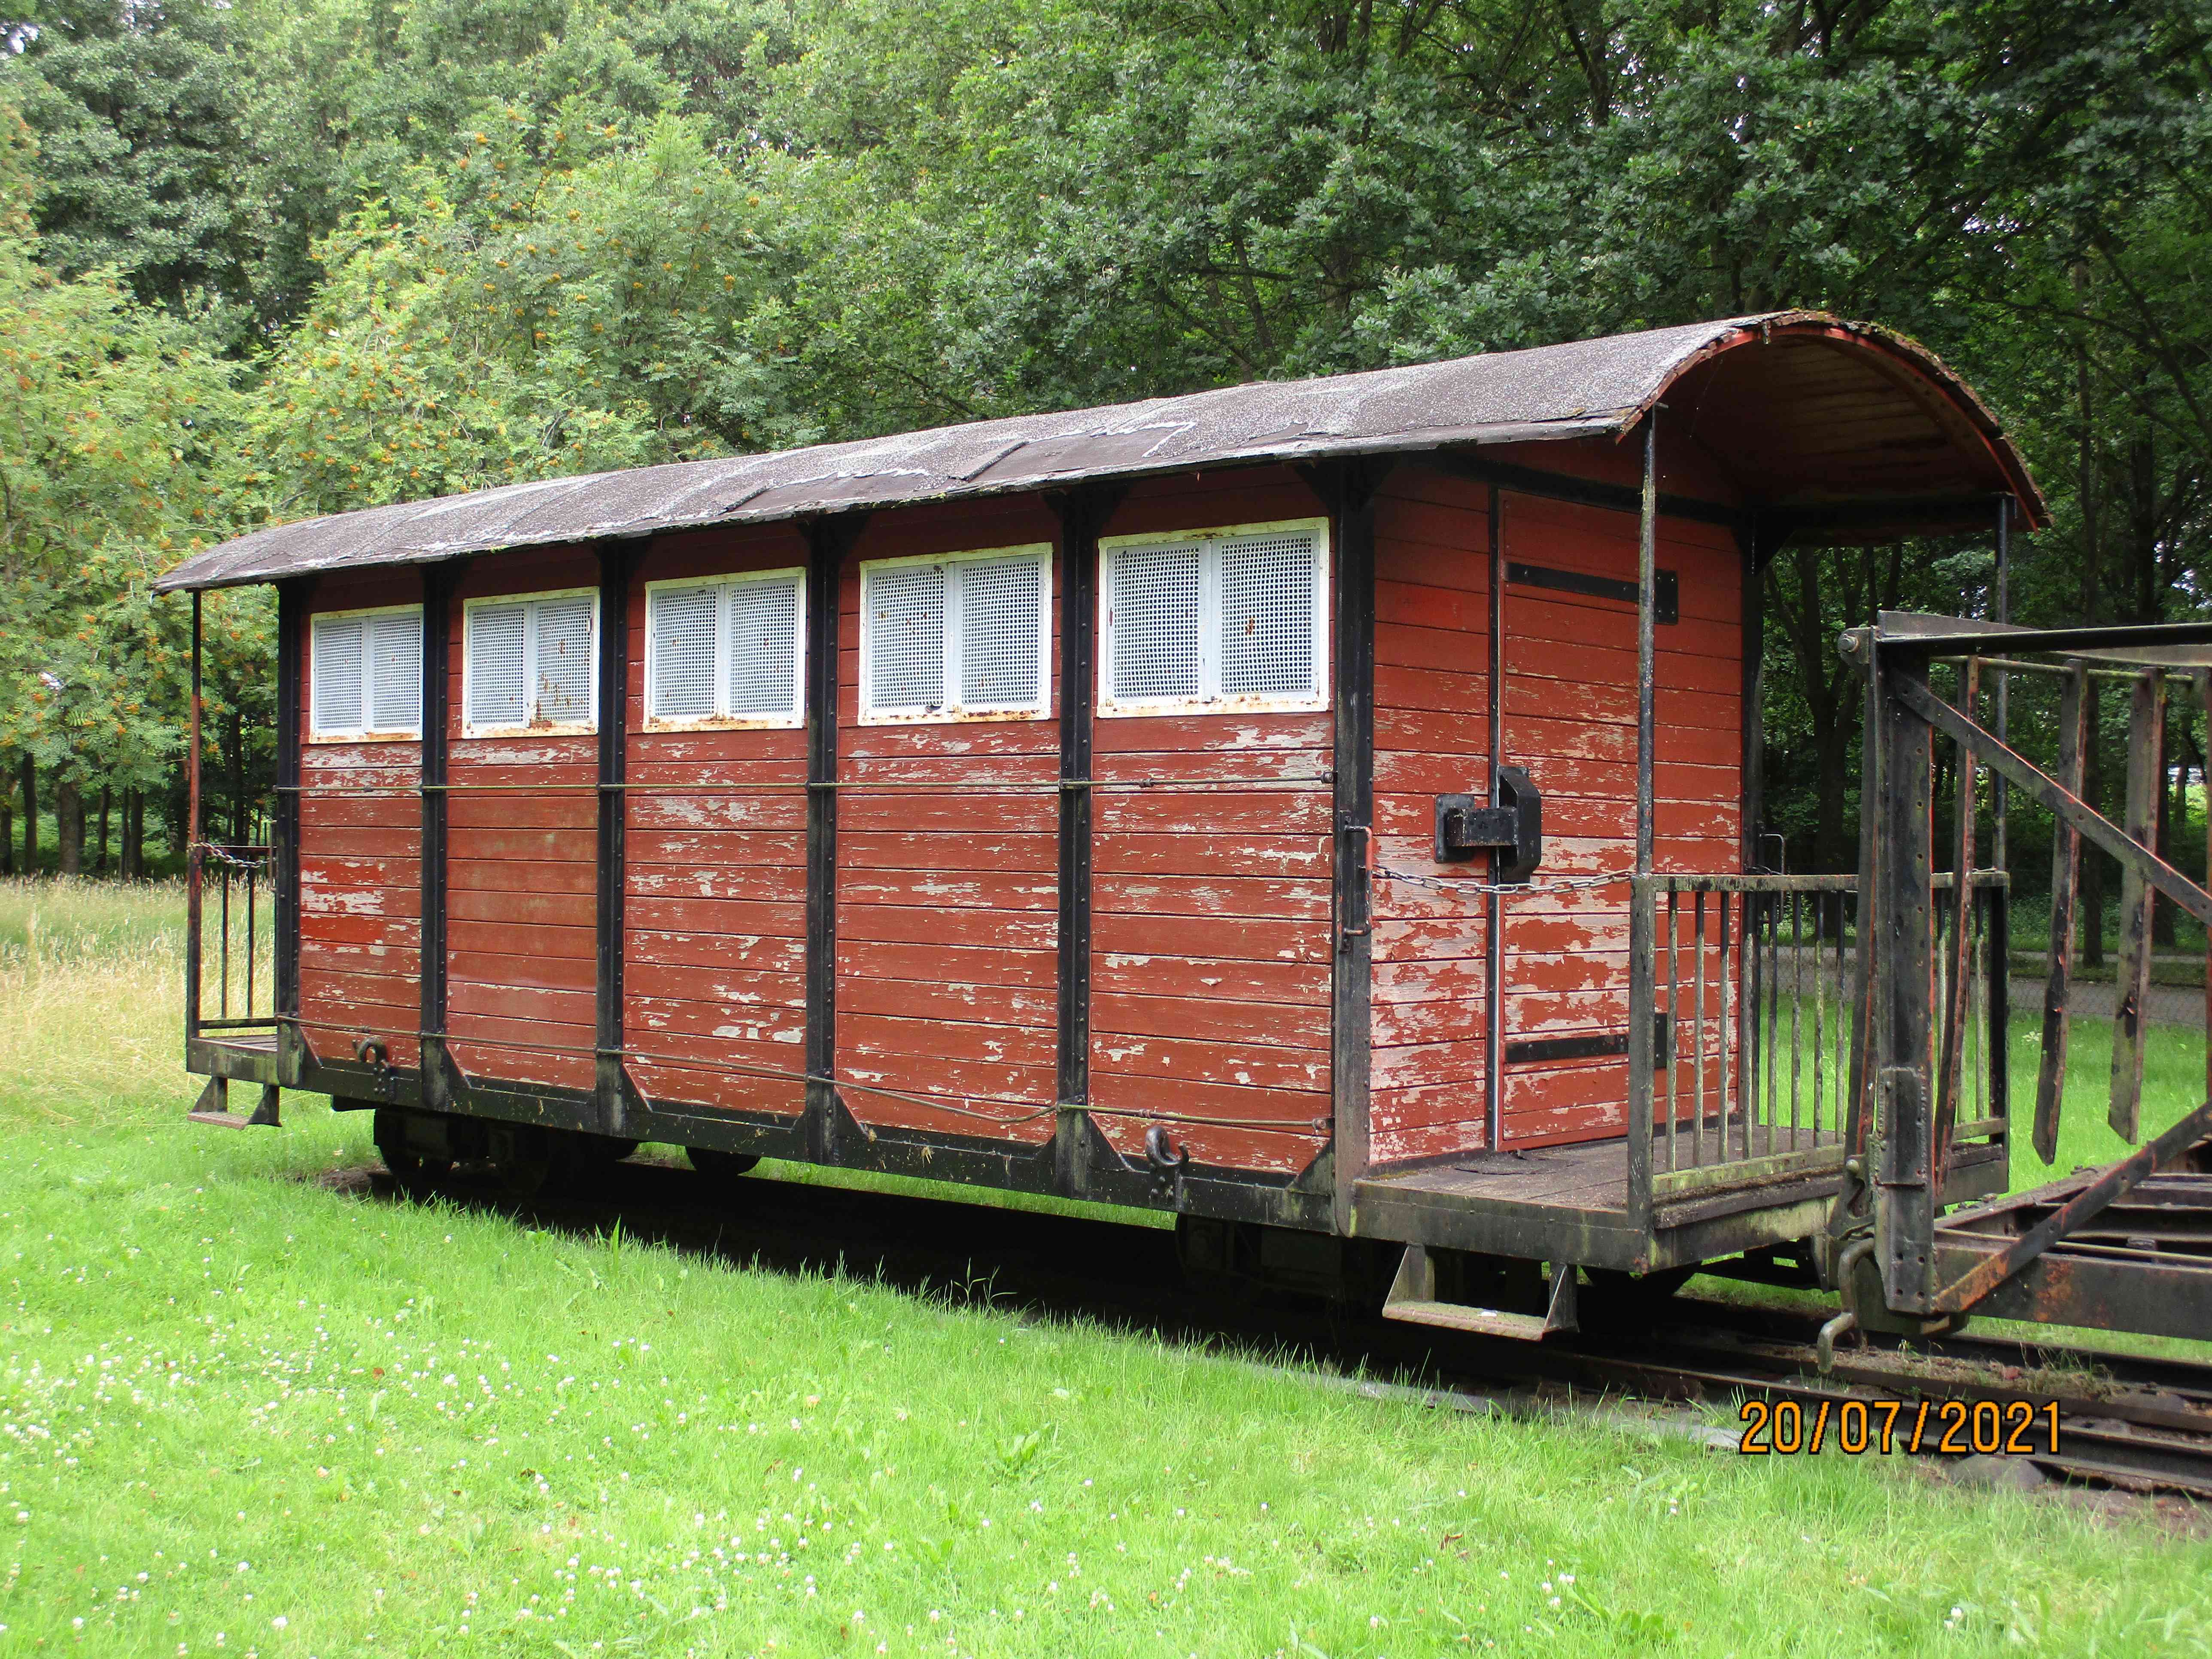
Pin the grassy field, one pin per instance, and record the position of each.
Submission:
(244, 1413)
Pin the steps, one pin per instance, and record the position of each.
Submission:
(1414, 1300)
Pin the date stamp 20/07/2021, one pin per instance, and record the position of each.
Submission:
(1784, 1428)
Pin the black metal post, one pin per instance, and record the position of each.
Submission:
(615, 560)
(291, 631)
(1083, 514)
(1493, 1054)
(438, 583)
(1998, 790)
(1350, 488)
(827, 542)
(193, 881)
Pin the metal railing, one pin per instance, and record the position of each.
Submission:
(231, 891)
(1753, 1010)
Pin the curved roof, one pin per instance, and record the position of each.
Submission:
(1847, 413)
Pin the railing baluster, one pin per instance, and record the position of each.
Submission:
(1698, 1029)
(1748, 1005)
(1673, 1019)
(1744, 1133)
(249, 939)
(223, 952)
(1796, 1008)
(1820, 1027)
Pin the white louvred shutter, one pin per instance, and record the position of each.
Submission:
(905, 638)
(562, 663)
(1001, 635)
(496, 668)
(335, 687)
(1154, 607)
(764, 646)
(395, 671)
(683, 622)
(1268, 600)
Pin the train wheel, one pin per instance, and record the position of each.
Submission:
(719, 1166)
(588, 1159)
(418, 1174)
(528, 1162)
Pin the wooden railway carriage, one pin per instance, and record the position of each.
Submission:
(1307, 806)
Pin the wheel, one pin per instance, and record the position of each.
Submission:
(720, 1165)
(587, 1159)
(418, 1174)
(526, 1162)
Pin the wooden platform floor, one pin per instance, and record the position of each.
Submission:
(1590, 1177)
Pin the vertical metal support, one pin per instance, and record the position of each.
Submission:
(1494, 934)
(2146, 779)
(1083, 514)
(1999, 795)
(284, 831)
(617, 560)
(1958, 981)
(828, 541)
(1904, 1218)
(1350, 488)
(1752, 607)
(2204, 707)
(1858, 1116)
(193, 879)
(1641, 919)
(438, 583)
(2065, 884)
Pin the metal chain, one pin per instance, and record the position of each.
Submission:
(1450, 885)
(211, 854)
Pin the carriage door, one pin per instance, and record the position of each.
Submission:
(1568, 691)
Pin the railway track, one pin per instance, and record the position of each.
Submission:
(2134, 1423)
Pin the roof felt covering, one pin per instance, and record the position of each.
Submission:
(1583, 388)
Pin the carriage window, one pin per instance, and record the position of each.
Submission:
(1215, 619)
(366, 677)
(967, 634)
(530, 664)
(728, 649)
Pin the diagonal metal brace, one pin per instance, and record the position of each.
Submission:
(1963, 1292)
(2093, 826)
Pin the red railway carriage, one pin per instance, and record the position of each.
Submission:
(1302, 806)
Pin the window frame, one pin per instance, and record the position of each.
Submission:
(584, 727)
(950, 713)
(719, 721)
(364, 732)
(1209, 623)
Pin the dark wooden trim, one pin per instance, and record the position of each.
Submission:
(827, 542)
(1667, 603)
(291, 630)
(439, 582)
(1083, 514)
(1349, 490)
(1581, 492)
(1906, 983)
(617, 560)
(1493, 993)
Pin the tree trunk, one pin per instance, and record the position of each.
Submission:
(2169, 812)
(7, 838)
(68, 827)
(100, 865)
(134, 821)
(30, 817)
(237, 735)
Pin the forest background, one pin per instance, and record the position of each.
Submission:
(269, 258)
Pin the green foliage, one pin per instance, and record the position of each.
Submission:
(345, 252)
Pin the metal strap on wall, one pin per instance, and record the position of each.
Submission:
(827, 542)
(616, 560)
(438, 584)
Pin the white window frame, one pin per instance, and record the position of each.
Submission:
(1039, 553)
(1209, 700)
(317, 732)
(589, 725)
(722, 720)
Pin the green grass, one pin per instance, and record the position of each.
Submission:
(242, 1414)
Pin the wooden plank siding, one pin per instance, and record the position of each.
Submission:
(948, 924)
(360, 868)
(1211, 904)
(1431, 736)
(714, 876)
(521, 862)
